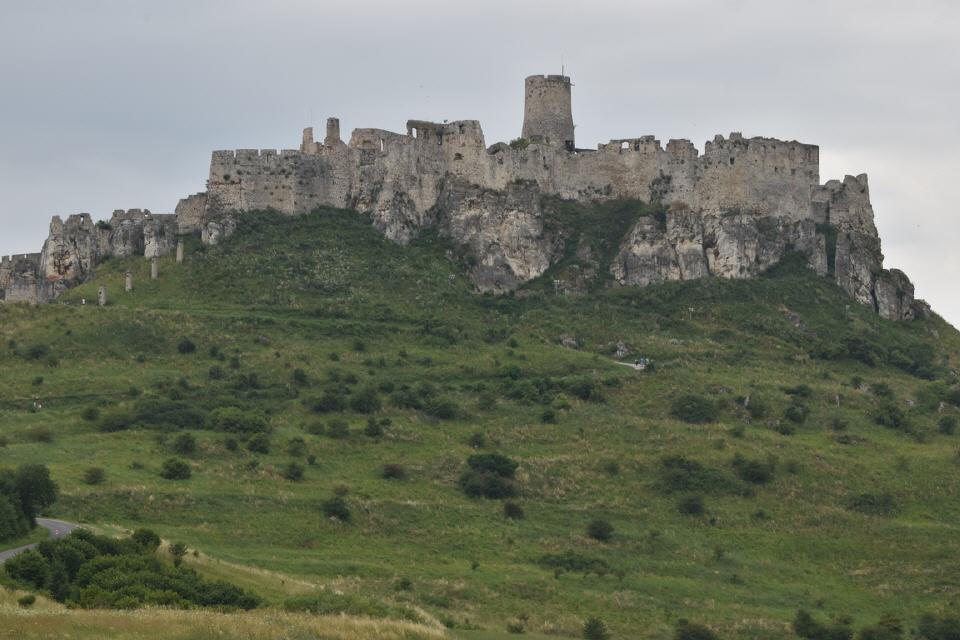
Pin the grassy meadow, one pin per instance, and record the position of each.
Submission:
(852, 510)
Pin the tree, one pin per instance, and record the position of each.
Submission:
(146, 539)
(175, 469)
(177, 551)
(34, 489)
(600, 530)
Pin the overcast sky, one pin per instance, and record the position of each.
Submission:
(117, 104)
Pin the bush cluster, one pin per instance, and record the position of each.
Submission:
(489, 475)
(90, 571)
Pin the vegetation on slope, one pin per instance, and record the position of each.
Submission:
(344, 398)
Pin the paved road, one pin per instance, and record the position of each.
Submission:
(57, 529)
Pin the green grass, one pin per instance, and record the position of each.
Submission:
(295, 293)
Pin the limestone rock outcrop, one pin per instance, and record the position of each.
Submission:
(732, 211)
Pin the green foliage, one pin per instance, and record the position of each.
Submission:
(146, 539)
(489, 475)
(186, 345)
(234, 420)
(338, 430)
(293, 472)
(947, 425)
(600, 530)
(393, 472)
(26, 601)
(755, 471)
(366, 400)
(943, 626)
(595, 629)
(694, 409)
(513, 510)
(337, 508)
(678, 474)
(692, 505)
(574, 562)
(175, 469)
(807, 627)
(184, 444)
(259, 443)
(89, 571)
(94, 475)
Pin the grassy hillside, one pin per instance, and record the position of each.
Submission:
(812, 469)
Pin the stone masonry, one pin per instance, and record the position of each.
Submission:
(731, 211)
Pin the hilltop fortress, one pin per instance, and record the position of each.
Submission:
(732, 211)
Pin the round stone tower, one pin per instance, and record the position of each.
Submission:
(547, 117)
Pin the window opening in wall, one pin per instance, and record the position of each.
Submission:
(381, 144)
(731, 162)
(624, 146)
(413, 132)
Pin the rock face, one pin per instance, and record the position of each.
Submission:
(733, 211)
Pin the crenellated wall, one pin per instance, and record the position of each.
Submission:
(731, 211)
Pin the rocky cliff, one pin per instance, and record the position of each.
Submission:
(733, 211)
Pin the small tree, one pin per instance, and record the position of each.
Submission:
(175, 469)
(293, 472)
(177, 551)
(337, 508)
(692, 631)
(595, 629)
(185, 444)
(94, 475)
(600, 530)
(694, 409)
(186, 345)
(146, 539)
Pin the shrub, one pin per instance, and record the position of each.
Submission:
(681, 474)
(300, 377)
(799, 391)
(796, 413)
(694, 409)
(329, 402)
(692, 631)
(549, 416)
(881, 390)
(27, 600)
(231, 444)
(441, 408)
(373, 429)
(513, 511)
(477, 440)
(366, 400)
(890, 415)
(186, 345)
(805, 626)
(755, 471)
(600, 530)
(947, 425)
(692, 505)
(234, 420)
(595, 629)
(29, 567)
(337, 508)
(91, 414)
(185, 444)
(94, 475)
(338, 430)
(178, 550)
(146, 539)
(259, 443)
(934, 626)
(297, 447)
(394, 472)
(489, 475)
(216, 373)
(175, 469)
(293, 472)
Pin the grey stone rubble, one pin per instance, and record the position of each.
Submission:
(732, 211)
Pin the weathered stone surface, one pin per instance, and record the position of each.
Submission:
(733, 211)
(501, 230)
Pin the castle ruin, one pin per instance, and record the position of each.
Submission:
(731, 211)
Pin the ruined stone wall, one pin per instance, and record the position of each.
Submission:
(20, 280)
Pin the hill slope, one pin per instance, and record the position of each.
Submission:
(811, 470)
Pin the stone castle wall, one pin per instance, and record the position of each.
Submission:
(731, 211)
